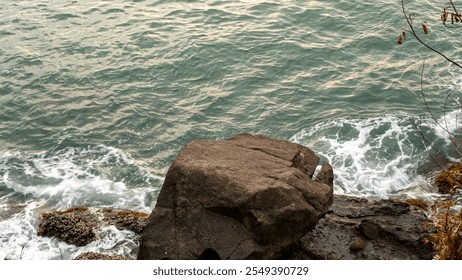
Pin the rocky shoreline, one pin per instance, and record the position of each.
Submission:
(253, 197)
(81, 225)
(353, 228)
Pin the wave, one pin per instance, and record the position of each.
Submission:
(99, 176)
(376, 157)
(19, 240)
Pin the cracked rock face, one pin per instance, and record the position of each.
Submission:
(360, 229)
(249, 197)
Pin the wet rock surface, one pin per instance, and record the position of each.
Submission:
(74, 226)
(357, 228)
(249, 197)
(125, 219)
(79, 226)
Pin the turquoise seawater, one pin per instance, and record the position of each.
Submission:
(98, 97)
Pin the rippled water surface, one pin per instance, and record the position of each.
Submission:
(98, 97)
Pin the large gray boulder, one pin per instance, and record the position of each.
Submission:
(249, 197)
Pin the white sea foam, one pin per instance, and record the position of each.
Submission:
(19, 240)
(449, 124)
(18, 236)
(32, 183)
(447, 129)
(374, 157)
(111, 240)
(74, 178)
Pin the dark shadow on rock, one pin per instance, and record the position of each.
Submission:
(209, 254)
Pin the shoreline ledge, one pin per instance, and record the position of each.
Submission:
(360, 229)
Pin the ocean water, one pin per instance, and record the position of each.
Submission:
(98, 97)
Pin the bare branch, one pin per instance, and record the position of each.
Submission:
(454, 16)
(422, 92)
(426, 142)
(412, 31)
(453, 6)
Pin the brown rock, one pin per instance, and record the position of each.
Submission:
(369, 229)
(79, 225)
(249, 197)
(357, 244)
(74, 226)
(326, 175)
(126, 219)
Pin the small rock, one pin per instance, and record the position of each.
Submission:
(357, 244)
(326, 175)
(369, 229)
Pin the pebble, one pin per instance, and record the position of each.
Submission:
(357, 244)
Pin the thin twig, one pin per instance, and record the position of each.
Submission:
(455, 10)
(426, 142)
(422, 92)
(445, 114)
(412, 31)
(452, 136)
(453, 6)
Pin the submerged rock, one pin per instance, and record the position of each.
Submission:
(249, 197)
